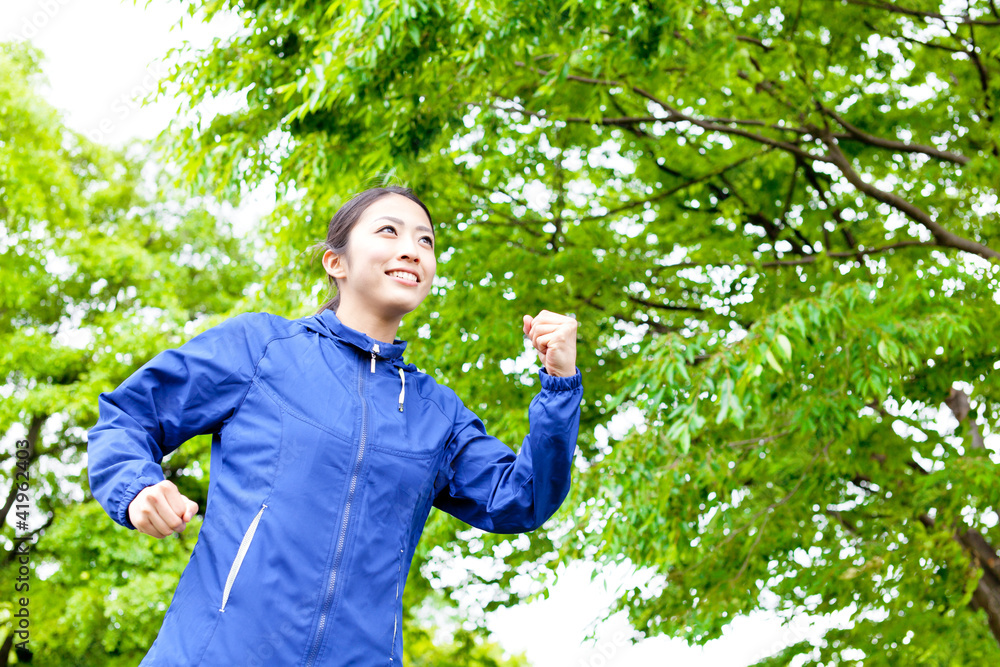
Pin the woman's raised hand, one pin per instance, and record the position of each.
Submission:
(554, 338)
(160, 510)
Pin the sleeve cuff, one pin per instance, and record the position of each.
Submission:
(130, 493)
(558, 383)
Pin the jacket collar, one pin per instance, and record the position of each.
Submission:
(328, 324)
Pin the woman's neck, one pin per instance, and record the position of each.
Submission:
(368, 323)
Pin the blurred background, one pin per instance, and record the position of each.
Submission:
(775, 221)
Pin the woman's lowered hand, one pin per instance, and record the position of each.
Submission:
(160, 510)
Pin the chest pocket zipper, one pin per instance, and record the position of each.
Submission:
(244, 545)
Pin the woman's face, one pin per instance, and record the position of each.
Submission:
(390, 261)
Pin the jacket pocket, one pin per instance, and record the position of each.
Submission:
(396, 620)
(235, 568)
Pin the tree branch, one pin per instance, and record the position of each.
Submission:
(860, 135)
(754, 41)
(663, 306)
(958, 402)
(915, 213)
(912, 40)
(758, 441)
(673, 190)
(984, 79)
(787, 204)
(809, 259)
(920, 14)
(674, 116)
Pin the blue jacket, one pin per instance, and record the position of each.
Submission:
(328, 451)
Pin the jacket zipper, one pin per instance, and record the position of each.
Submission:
(314, 651)
(244, 545)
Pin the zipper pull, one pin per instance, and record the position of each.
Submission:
(374, 350)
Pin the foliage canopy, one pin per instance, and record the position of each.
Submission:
(777, 224)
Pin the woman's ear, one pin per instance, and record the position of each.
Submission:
(334, 264)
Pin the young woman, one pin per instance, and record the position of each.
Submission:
(328, 452)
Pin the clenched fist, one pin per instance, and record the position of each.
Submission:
(160, 510)
(554, 338)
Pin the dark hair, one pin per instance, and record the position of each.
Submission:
(343, 222)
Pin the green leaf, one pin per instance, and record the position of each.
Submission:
(772, 361)
(784, 345)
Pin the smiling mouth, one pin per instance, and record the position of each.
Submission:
(403, 275)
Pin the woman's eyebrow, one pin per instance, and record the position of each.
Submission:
(420, 228)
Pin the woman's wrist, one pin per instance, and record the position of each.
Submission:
(560, 382)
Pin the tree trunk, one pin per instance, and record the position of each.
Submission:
(37, 421)
(987, 594)
(8, 644)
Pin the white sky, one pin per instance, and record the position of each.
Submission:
(100, 54)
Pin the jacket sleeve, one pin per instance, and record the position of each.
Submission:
(176, 395)
(490, 487)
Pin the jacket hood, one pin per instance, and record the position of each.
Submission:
(328, 324)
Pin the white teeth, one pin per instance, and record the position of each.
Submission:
(404, 275)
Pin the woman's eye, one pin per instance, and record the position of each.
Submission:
(430, 240)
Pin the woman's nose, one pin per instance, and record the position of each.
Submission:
(409, 250)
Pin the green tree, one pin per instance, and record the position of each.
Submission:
(103, 266)
(98, 275)
(776, 222)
